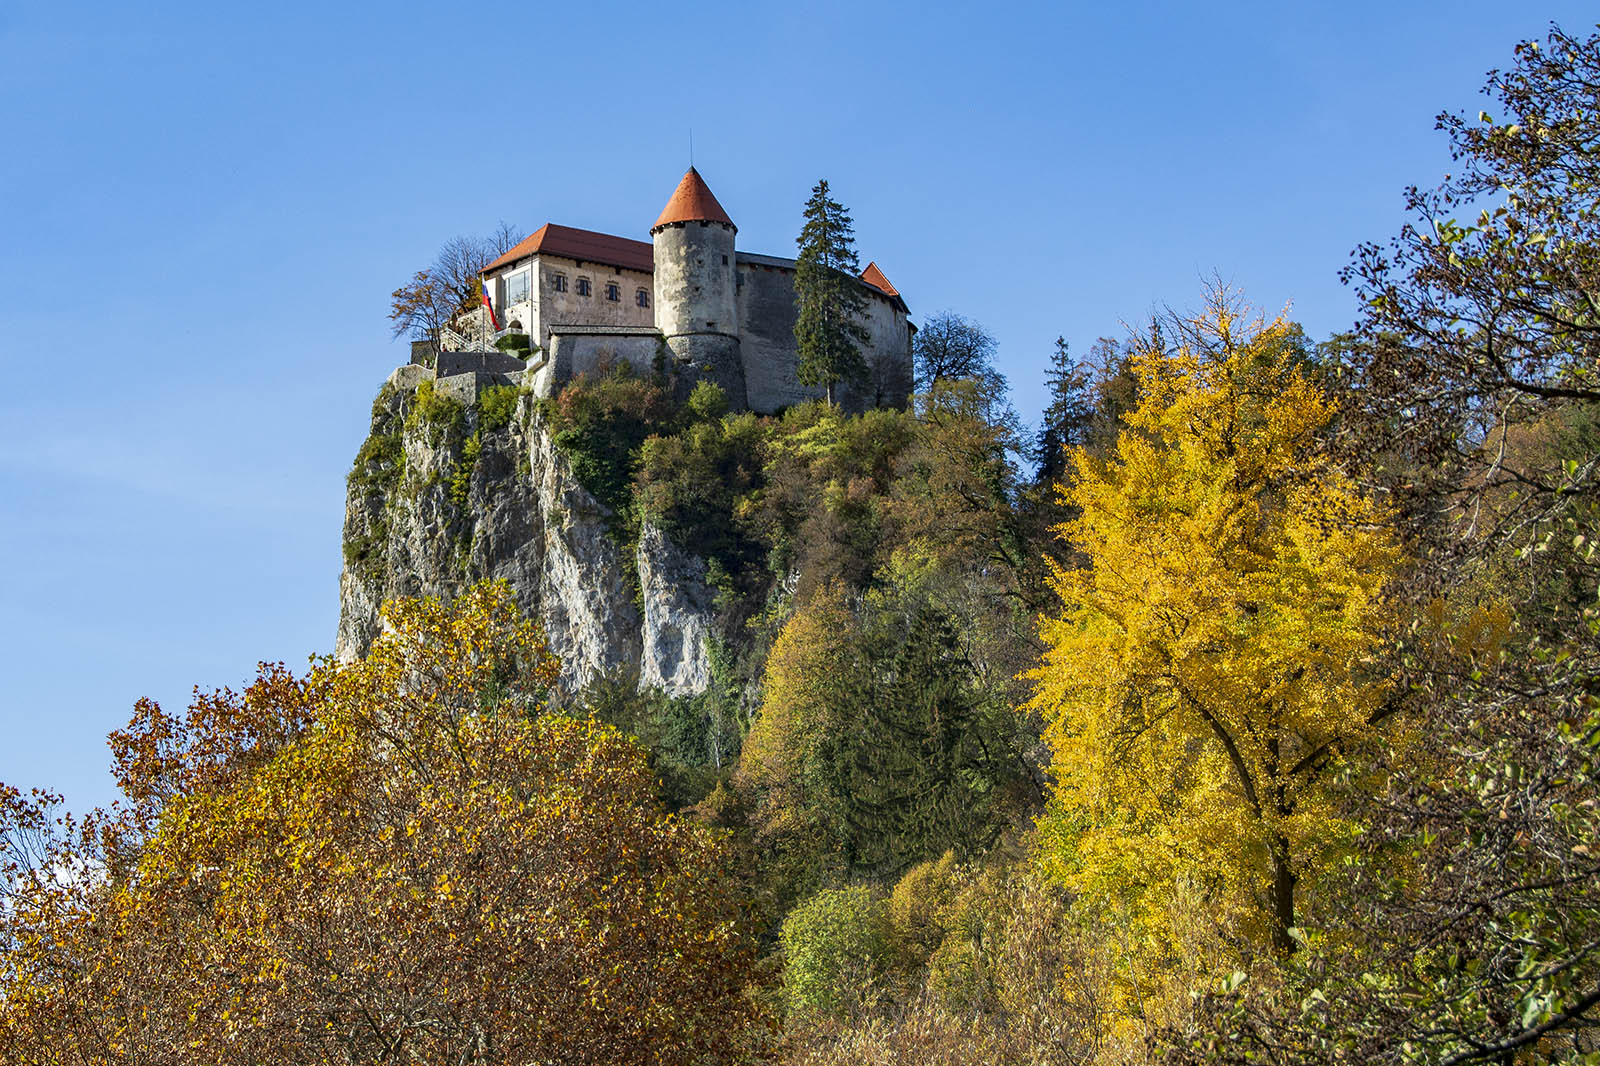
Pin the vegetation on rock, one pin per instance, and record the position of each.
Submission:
(1245, 711)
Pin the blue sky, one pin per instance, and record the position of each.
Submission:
(204, 208)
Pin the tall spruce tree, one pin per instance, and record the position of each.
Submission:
(1066, 418)
(827, 288)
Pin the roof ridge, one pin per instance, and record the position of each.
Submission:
(572, 242)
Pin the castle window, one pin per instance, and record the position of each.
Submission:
(613, 292)
(642, 298)
(516, 287)
(583, 287)
(558, 282)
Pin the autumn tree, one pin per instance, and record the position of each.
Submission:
(401, 859)
(1474, 391)
(828, 291)
(1207, 669)
(435, 296)
(1483, 314)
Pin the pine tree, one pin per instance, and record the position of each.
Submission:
(1066, 418)
(828, 331)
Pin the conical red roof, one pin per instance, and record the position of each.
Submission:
(692, 202)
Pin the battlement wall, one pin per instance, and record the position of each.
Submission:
(578, 350)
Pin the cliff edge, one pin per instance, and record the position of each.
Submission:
(458, 482)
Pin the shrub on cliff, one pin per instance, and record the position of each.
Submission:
(599, 421)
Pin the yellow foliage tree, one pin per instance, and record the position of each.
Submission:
(401, 859)
(1210, 662)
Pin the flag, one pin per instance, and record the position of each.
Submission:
(486, 303)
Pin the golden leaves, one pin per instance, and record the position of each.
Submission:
(390, 857)
(1211, 658)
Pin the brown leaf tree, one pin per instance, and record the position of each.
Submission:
(397, 860)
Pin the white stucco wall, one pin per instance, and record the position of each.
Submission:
(546, 307)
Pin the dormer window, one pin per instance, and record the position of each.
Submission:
(584, 288)
(642, 297)
(613, 291)
(558, 282)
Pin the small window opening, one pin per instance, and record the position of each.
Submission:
(642, 298)
(613, 292)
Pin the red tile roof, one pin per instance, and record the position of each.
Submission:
(692, 202)
(874, 277)
(591, 247)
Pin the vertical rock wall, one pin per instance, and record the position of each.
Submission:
(443, 495)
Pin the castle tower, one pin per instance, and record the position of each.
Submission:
(696, 288)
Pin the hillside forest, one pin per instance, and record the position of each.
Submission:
(1245, 710)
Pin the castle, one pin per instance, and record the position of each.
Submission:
(686, 301)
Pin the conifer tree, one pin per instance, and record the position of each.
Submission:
(828, 331)
(1067, 416)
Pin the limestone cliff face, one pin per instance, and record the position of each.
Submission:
(453, 487)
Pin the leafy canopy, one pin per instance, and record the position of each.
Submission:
(395, 860)
(1207, 665)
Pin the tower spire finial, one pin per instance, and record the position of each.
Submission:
(691, 147)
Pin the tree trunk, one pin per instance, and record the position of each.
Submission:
(1283, 882)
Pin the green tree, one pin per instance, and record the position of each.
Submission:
(1066, 417)
(879, 742)
(838, 947)
(827, 287)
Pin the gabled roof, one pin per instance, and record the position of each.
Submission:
(874, 277)
(692, 202)
(591, 247)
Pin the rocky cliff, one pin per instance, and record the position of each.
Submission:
(458, 482)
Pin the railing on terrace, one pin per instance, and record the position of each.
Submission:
(474, 341)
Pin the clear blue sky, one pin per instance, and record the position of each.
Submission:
(203, 209)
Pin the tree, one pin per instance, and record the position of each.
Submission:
(1066, 417)
(878, 743)
(828, 330)
(1474, 900)
(1473, 325)
(449, 287)
(1207, 670)
(401, 859)
(949, 346)
(838, 948)
(954, 492)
